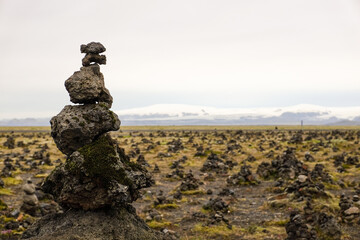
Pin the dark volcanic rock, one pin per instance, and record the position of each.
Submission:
(244, 176)
(189, 183)
(104, 224)
(91, 57)
(285, 166)
(297, 229)
(87, 86)
(216, 204)
(96, 176)
(93, 47)
(214, 163)
(10, 142)
(76, 126)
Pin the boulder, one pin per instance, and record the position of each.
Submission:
(104, 224)
(87, 86)
(76, 126)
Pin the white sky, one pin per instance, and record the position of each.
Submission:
(254, 53)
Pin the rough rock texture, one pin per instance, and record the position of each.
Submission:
(97, 175)
(91, 57)
(87, 86)
(76, 126)
(93, 47)
(285, 166)
(104, 224)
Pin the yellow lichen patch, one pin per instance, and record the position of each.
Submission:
(218, 230)
(193, 192)
(43, 175)
(167, 206)
(12, 181)
(158, 225)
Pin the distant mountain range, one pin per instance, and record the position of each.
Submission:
(178, 114)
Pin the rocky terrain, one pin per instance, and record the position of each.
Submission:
(208, 184)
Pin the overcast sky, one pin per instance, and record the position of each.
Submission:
(223, 53)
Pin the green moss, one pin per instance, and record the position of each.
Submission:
(3, 205)
(82, 124)
(12, 181)
(217, 230)
(113, 116)
(158, 225)
(100, 160)
(5, 191)
(279, 223)
(103, 105)
(167, 206)
(193, 192)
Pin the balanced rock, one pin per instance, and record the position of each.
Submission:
(91, 57)
(87, 86)
(93, 47)
(30, 200)
(76, 126)
(92, 51)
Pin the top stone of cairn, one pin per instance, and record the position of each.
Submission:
(93, 47)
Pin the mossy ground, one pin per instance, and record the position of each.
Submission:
(250, 215)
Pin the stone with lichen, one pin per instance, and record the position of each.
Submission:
(97, 175)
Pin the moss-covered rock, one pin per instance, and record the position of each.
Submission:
(97, 175)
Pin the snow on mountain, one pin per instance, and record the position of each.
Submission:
(180, 114)
(181, 111)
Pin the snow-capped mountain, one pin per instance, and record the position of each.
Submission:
(179, 114)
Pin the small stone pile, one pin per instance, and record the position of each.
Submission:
(318, 173)
(189, 182)
(216, 204)
(311, 224)
(303, 188)
(350, 212)
(30, 200)
(285, 166)
(10, 142)
(215, 164)
(244, 176)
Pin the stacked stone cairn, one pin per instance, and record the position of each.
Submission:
(97, 183)
(97, 173)
(30, 200)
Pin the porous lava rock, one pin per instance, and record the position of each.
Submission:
(97, 175)
(87, 86)
(285, 166)
(76, 126)
(91, 57)
(106, 224)
(93, 47)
